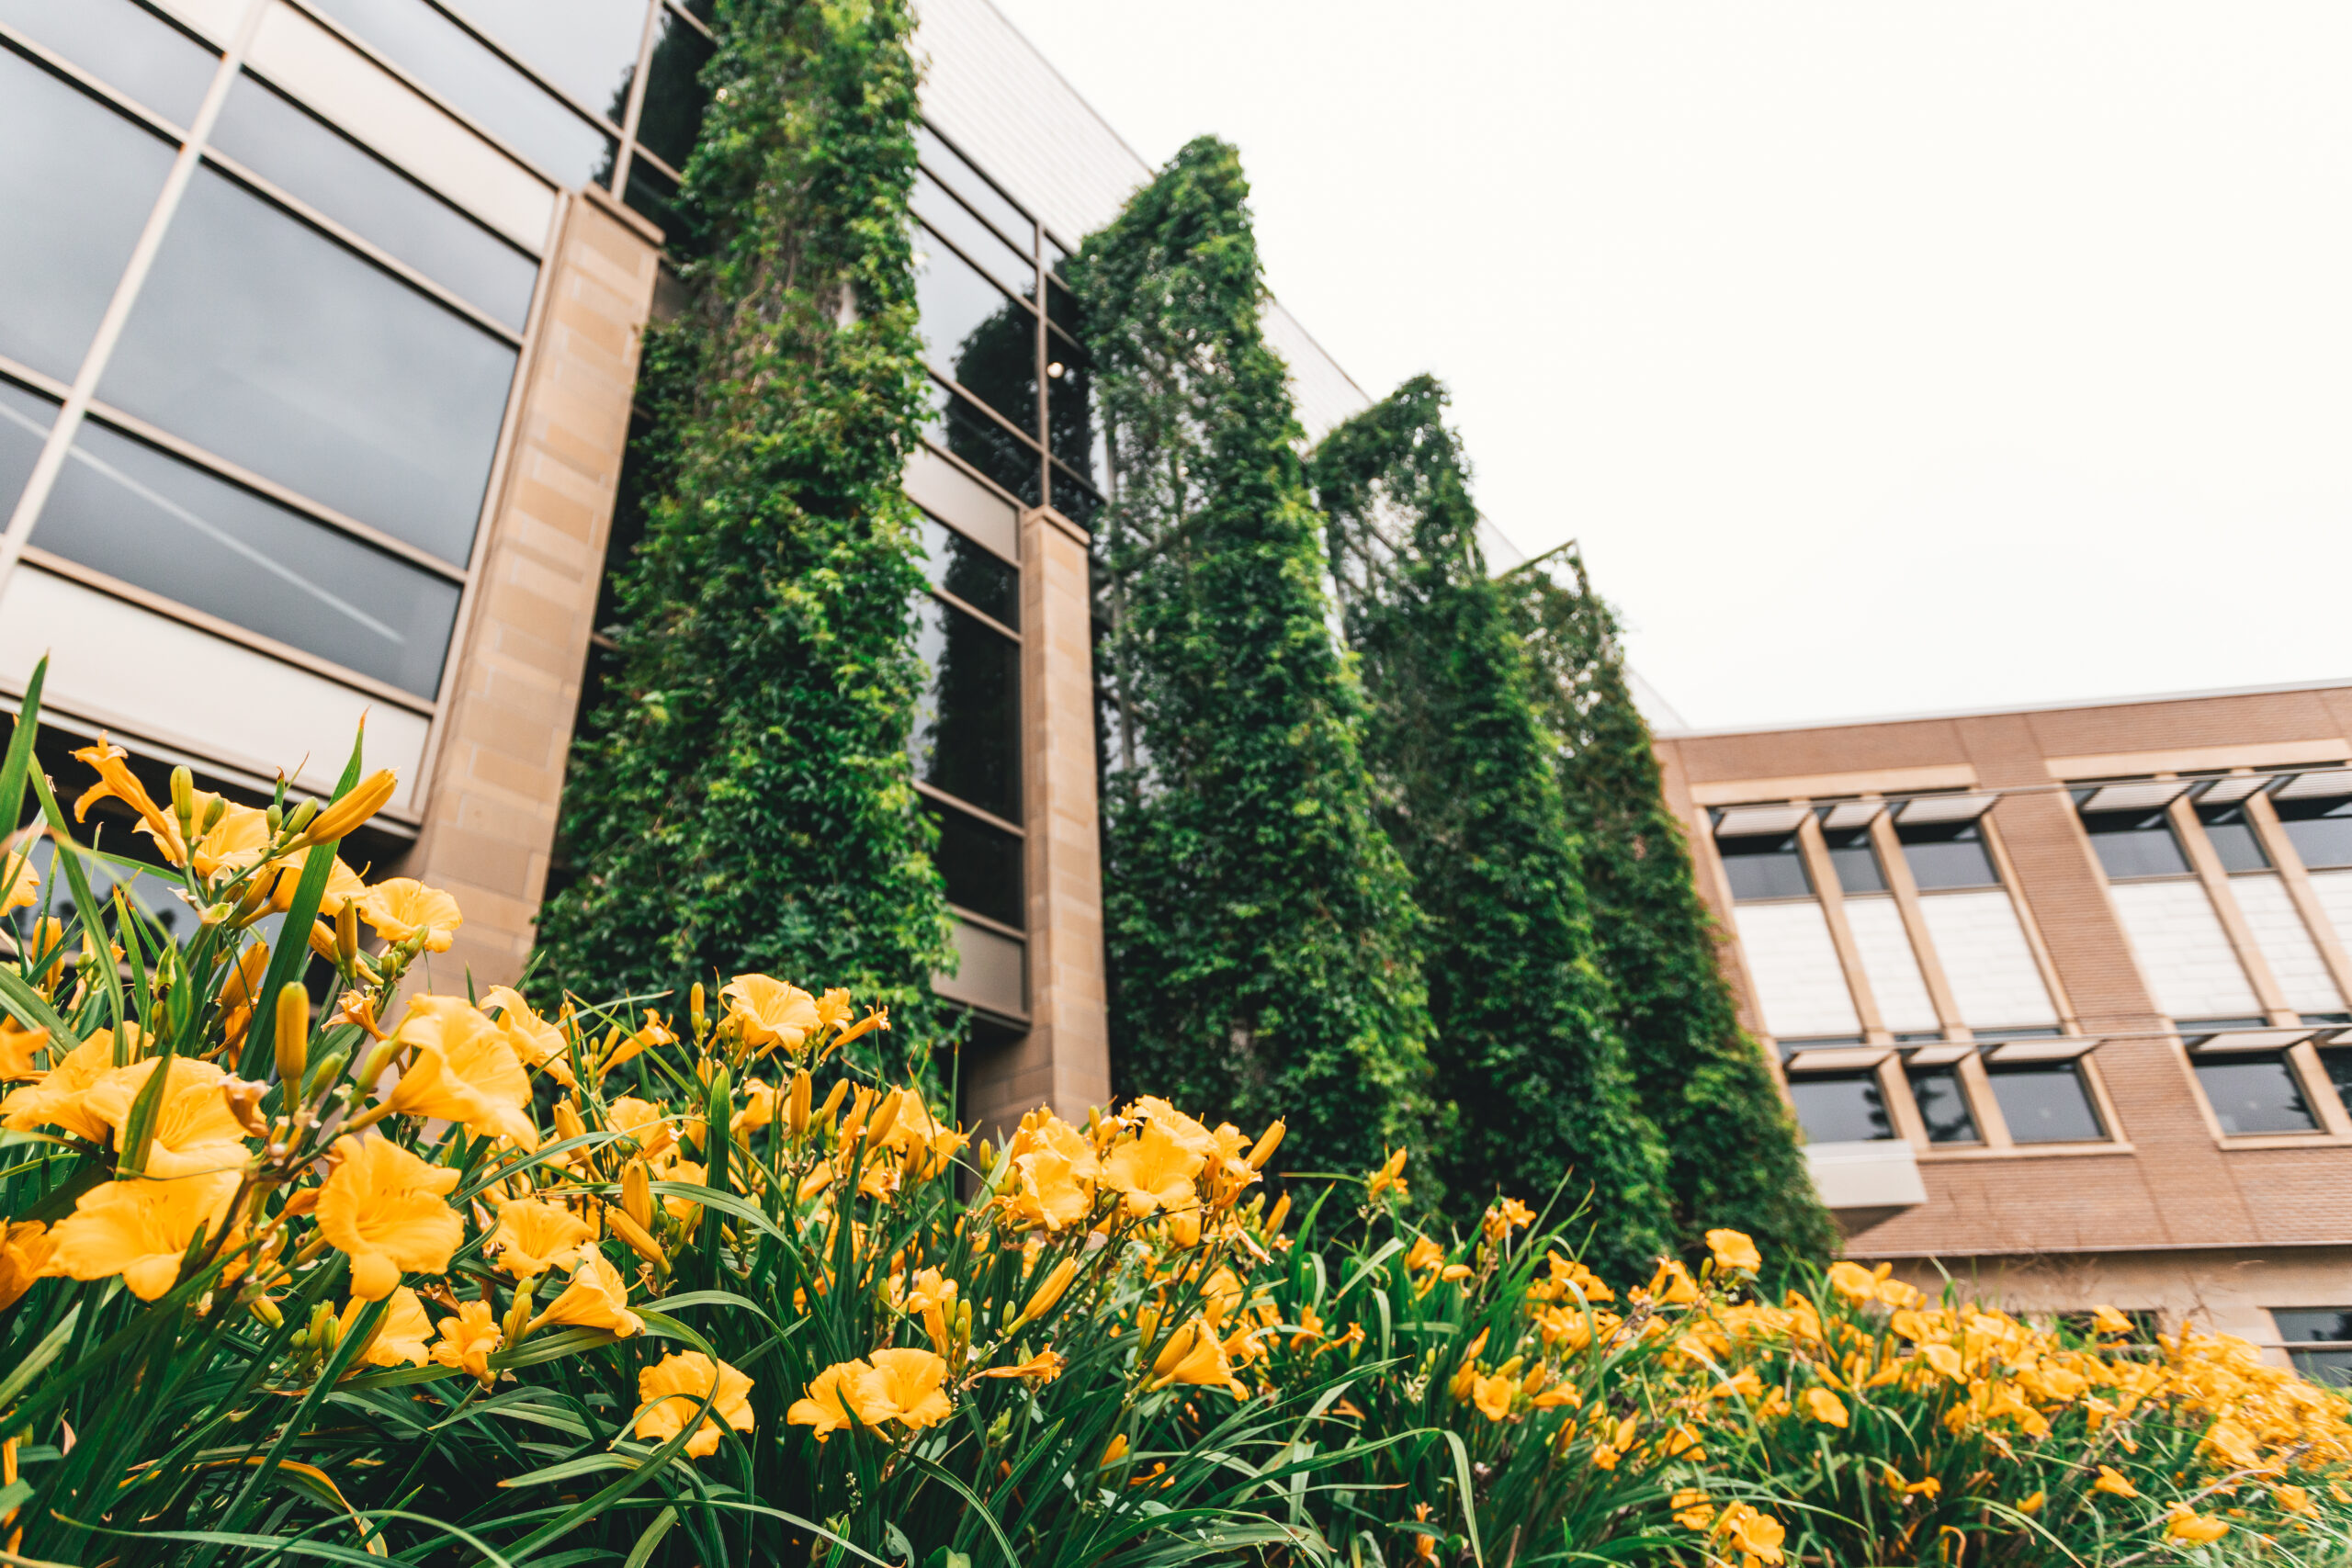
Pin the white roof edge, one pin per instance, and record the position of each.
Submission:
(1997, 712)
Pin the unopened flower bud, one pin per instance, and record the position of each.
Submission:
(184, 798)
(1049, 1290)
(641, 1241)
(267, 1310)
(833, 1101)
(293, 1035)
(346, 932)
(517, 1322)
(302, 815)
(796, 1106)
(276, 817)
(363, 799)
(696, 1008)
(1266, 1145)
(568, 1124)
(330, 1068)
(885, 1118)
(637, 1194)
(378, 1063)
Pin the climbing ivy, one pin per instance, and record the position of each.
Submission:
(741, 798)
(1526, 1047)
(1259, 928)
(1732, 1147)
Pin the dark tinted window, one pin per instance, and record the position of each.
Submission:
(281, 144)
(1008, 267)
(979, 577)
(980, 863)
(1845, 1108)
(2135, 844)
(1075, 502)
(2045, 1103)
(136, 513)
(587, 48)
(2254, 1094)
(2338, 1060)
(655, 194)
(1069, 405)
(966, 733)
(76, 184)
(674, 97)
(2232, 838)
(262, 340)
(1760, 866)
(968, 182)
(980, 441)
(129, 49)
(506, 103)
(25, 420)
(1857, 862)
(2320, 830)
(2324, 1326)
(976, 334)
(1946, 855)
(1942, 1105)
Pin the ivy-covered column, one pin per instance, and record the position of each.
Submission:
(1733, 1156)
(1526, 1048)
(744, 797)
(1259, 923)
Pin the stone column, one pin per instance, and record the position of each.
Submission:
(497, 767)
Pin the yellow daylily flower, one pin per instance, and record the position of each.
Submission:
(464, 1070)
(20, 1050)
(389, 1211)
(1391, 1174)
(596, 1298)
(468, 1340)
(1492, 1395)
(25, 1249)
(1194, 1354)
(1825, 1407)
(236, 842)
(1045, 1366)
(404, 909)
(1154, 1172)
(116, 782)
(19, 883)
(141, 1229)
(771, 1012)
(539, 1044)
(352, 808)
(1758, 1534)
(847, 1393)
(2111, 1481)
(61, 1098)
(1423, 1256)
(193, 1129)
(401, 1342)
(344, 886)
(533, 1235)
(672, 1390)
(1733, 1251)
(913, 1380)
(1187, 1132)
(1673, 1284)
(2196, 1528)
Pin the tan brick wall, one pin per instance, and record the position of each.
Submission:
(498, 769)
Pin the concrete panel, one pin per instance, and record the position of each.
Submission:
(1984, 952)
(2183, 951)
(1799, 983)
(1889, 965)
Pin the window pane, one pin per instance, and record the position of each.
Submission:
(78, 184)
(967, 734)
(966, 182)
(1069, 404)
(655, 195)
(588, 47)
(986, 445)
(2338, 1060)
(1857, 862)
(260, 338)
(1841, 1110)
(129, 49)
(2135, 844)
(1075, 501)
(2321, 831)
(979, 577)
(1011, 270)
(2254, 1094)
(283, 144)
(2333, 1368)
(1943, 1107)
(25, 419)
(981, 864)
(2324, 1324)
(503, 101)
(162, 525)
(675, 95)
(1946, 855)
(1762, 867)
(2045, 1104)
(977, 333)
(2232, 838)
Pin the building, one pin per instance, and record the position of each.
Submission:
(2062, 996)
(319, 331)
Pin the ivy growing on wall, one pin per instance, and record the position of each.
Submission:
(743, 797)
(1733, 1149)
(1260, 925)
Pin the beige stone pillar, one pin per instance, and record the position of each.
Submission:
(1065, 1059)
(498, 759)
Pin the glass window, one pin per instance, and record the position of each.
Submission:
(979, 577)
(260, 338)
(587, 48)
(980, 441)
(674, 95)
(973, 186)
(981, 864)
(1061, 307)
(284, 145)
(976, 334)
(1946, 855)
(1840, 1108)
(1943, 1106)
(1011, 270)
(1069, 405)
(2135, 844)
(1857, 862)
(2338, 1060)
(2320, 829)
(2232, 838)
(505, 102)
(655, 194)
(1759, 865)
(25, 419)
(1075, 501)
(128, 47)
(165, 525)
(966, 733)
(2321, 1326)
(2252, 1094)
(78, 184)
(2045, 1102)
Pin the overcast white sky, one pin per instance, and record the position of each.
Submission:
(1885, 356)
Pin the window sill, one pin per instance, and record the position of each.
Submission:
(2321, 1140)
(1934, 1154)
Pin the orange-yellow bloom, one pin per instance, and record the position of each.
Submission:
(25, 1249)
(19, 883)
(20, 1051)
(771, 1012)
(116, 781)
(1045, 1366)
(534, 1236)
(464, 1070)
(193, 1129)
(61, 1098)
(1390, 1174)
(2112, 1481)
(401, 1340)
(1758, 1535)
(537, 1044)
(141, 1229)
(2196, 1528)
(389, 1210)
(902, 1385)
(1423, 1256)
(1673, 1284)
(672, 1391)
(1492, 1395)
(1734, 1251)
(1854, 1282)
(468, 1340)
(1194, 1354)
(914, 1380)
(596, 1298)
(350, 809)
(1154, 1172)
(403, 909)
(1825, 1407)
